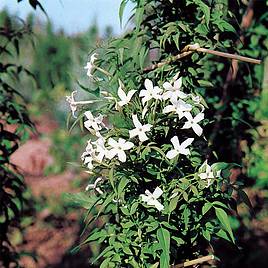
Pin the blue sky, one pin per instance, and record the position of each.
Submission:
(74, 16)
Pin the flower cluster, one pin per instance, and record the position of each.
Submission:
(170, 99)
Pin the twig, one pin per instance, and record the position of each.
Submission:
(193, 262)
(162, 63)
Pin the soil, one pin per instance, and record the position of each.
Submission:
(49, 237)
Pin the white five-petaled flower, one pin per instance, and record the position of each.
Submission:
(95, 186)
(208, 174)
(139, 129)
(88, 156)
(124, 98)
(151, 198)
(73, 103)
(179, 148)
(173, 92)
(179, 107)
(193, 122)
(90, 65)
(100, 149)
(118, 148)
(150, 92)
(93, 124)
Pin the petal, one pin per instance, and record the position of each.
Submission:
(178, 83)
(145, 198)
(134, 132)
(111, 153)
(143, 93)
(197, 129)
(188, 116)
(167, 86)
(148, 193)
(167, 95)
(187, 142)
(122, 155)
(97, 180)
(136, 121)
(184, 151)
(148, 84)
(169, 108)
(203, 176)
(99, 190)
(158, 205)
(112, 142)
(128, 145)
(89, 115)
(89, 186)
(210, 175)
(199, 117)
(142, 136)
(130, 94)
(121, 94)
(182, 95)
(88, 124)
(187, 125)
(147, 127)
(175, 142)
(157, 192)
(171, 154)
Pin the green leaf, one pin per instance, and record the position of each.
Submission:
(206, 208)
(122, 184)
(244, 197)
(121, 10)
(139, 15)
(163, 237)
(173, 204)
(223, 218)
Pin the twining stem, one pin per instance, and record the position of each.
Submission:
(193, 262)
(102, 71)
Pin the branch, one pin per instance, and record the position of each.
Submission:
(189, 49)
(193, 262)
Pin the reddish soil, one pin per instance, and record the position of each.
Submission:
(49, 237)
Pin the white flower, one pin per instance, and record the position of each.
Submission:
(71, 101)
(173, 92)
(151, 92)
(73, 104)
(88, 156)
(100, 149)
(90, 65)
(196, 99)
(179, 107)
(118, 148)
(179, 148)
(95, 186)
(193, 123)
(139, 129)
(124, 98)
(151, 198)
(93, 124)
(208, 174)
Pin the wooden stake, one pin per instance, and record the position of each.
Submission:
(193, 262)
(188, 50)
